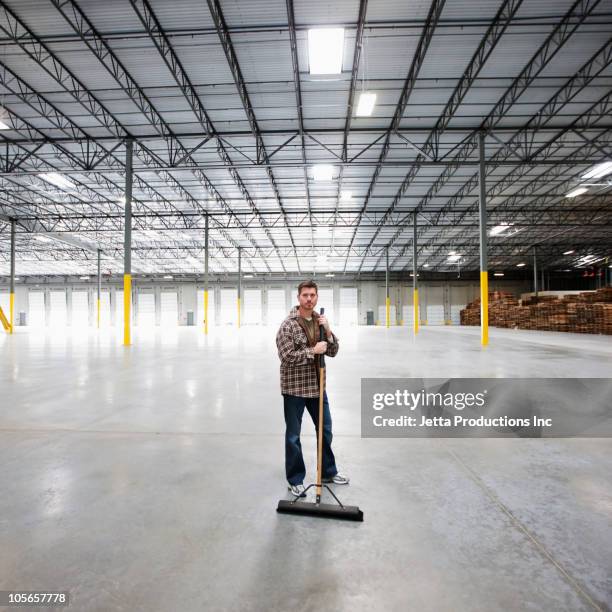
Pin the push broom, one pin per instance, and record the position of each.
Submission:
(339, 510)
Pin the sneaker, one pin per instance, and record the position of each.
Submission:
(297, 490)
(337, 479)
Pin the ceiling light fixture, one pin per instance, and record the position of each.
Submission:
(599, 170)
(576, 192)
(366, 103)
(322, 172)
(498, 273)
(521, 265)
(168, 276)
(571, 252)
(83, 277)
(499, 229)
(325, 50)
(330, 275)
(57, 179)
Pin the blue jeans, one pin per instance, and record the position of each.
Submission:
(294, 461)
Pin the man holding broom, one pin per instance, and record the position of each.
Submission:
(298, 347)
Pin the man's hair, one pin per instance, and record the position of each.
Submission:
(307, 284)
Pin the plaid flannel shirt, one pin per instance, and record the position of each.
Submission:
(298, 368)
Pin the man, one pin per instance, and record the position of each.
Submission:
(298, 344)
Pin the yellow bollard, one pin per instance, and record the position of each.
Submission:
(484, 308)
(206, 312)
(127, 308)
(12, 312)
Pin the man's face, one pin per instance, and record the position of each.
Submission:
(308, 298)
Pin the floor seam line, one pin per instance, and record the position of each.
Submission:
(582, 592)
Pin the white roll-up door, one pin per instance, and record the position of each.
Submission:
(58, 316)
(382, 315)
(326, 300)
(211, 308)
(435, 314)
(456, 314)
(36, 309)
(407, 314)
(169, 309)
(349, 310)
(277, 307)
(119, 309)
(252, 311)
(146, 310)
(80, 309)
(229, 307)
(105, 309)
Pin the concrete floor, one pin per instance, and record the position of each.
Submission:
(147, 479)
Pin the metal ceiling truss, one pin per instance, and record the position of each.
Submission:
(417, 61)
(576, 15)
(533, 203)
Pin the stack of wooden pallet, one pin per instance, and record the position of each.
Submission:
(585, 313)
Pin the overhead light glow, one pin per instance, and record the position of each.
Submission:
(247, 276)
(499, 229)
(57, 179)
(599, 170)
(576, 192)
(83, 277)
(168, 276)
(569, 252)
(366, 103)
(453, 257)
(322, 172)
(521, 265)
(345, 196)
(498, 273)
(325, 50)
(4, 126)
(330, 275)
(426, 265)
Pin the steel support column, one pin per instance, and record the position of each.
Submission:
(206, 275)
(535, 272)
(127, 245)
(415, 286)
(484, 273)
(99, 292)
(239, 282)
(12, 281)
(387, 299)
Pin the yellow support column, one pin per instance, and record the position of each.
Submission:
(11, 312)
(388, 307)
(206, 311)
(415, 308)
(127, 309)
(238, 312)
(484, 308)
(98, 314)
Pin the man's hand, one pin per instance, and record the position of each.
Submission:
(319, 348)
(323, 321)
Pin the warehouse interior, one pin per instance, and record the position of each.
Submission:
(171, 171)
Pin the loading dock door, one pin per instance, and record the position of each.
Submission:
(59, 311)
(146, 310)
(277, 307)
(169, 309)
(80, 309)
(252, 312)
(36, 309)
(229, 307)
(349, 311)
